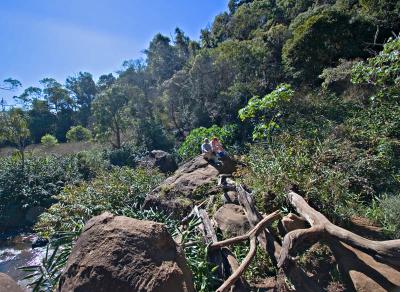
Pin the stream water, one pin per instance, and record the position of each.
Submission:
(16, 251)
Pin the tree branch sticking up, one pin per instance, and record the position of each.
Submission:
(252, 235)
(385, 251)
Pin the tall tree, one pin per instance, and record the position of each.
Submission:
(162, 59)
(56, 95)
(83, 90)
(105, 81)
(112, 112)
(41, 120)
(10, 84)
(29, 95)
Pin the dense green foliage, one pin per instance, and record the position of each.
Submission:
(48, 140)
(310, 87)
(190, 147)
(345, 161)
(267, 111)
(183, 85)
(25, 192)
(111, 191)
(78, 133)
(321, 39)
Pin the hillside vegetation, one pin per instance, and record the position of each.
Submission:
(306, 94)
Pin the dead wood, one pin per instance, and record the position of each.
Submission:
(243, 266)
(321, 228)
(297, 276)
(252, 233)
(226, 266)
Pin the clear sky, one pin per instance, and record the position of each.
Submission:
(59, 38)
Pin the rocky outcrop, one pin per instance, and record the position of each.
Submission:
(7, 284)
(117, 253)
(232, 220)
(162, 160)
(193, 181)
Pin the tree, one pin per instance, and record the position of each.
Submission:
(382, 71)
(182, 45)
(112, 112)
(61, 103)
(48, 141)
(41, 120)
(56, 95)
(385, 12)
(10, 84)
(14, 129)
(29, 95)
(105, 81)
(83, 90)
(323, 38)
(162, 59)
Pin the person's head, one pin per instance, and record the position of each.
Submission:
(206, 141)
(215, 139)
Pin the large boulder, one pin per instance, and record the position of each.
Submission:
(117, 253)
(162, 160)
(232, 220)
(7, 284)
(192, 182)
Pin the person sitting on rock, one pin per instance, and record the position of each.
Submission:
(206, 146)
(207, 151)
(217, 148)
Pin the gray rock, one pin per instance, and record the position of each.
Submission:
(232, 220)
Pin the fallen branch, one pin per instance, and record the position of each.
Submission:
(386, 251)
(226, 266)
(267, 241)
(243, 266)
(252, 233)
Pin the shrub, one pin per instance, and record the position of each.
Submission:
(382, 71)
(334, 176)
(127, 155)
(115, 191)
(191, 146)
(49, 140)
(391, 214)
(78, 133)
(267, 111)
(25, 192)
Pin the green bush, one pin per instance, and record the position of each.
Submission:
(267, 111)
(334, 176)
(49, 140)
(115, 191)
(25, 192)
(127, 155)
(382, 71)
(78, 133)
(390, 215)
(192, 144)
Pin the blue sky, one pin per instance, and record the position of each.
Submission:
(59, 38)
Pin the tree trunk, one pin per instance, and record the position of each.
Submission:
(387, 251)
